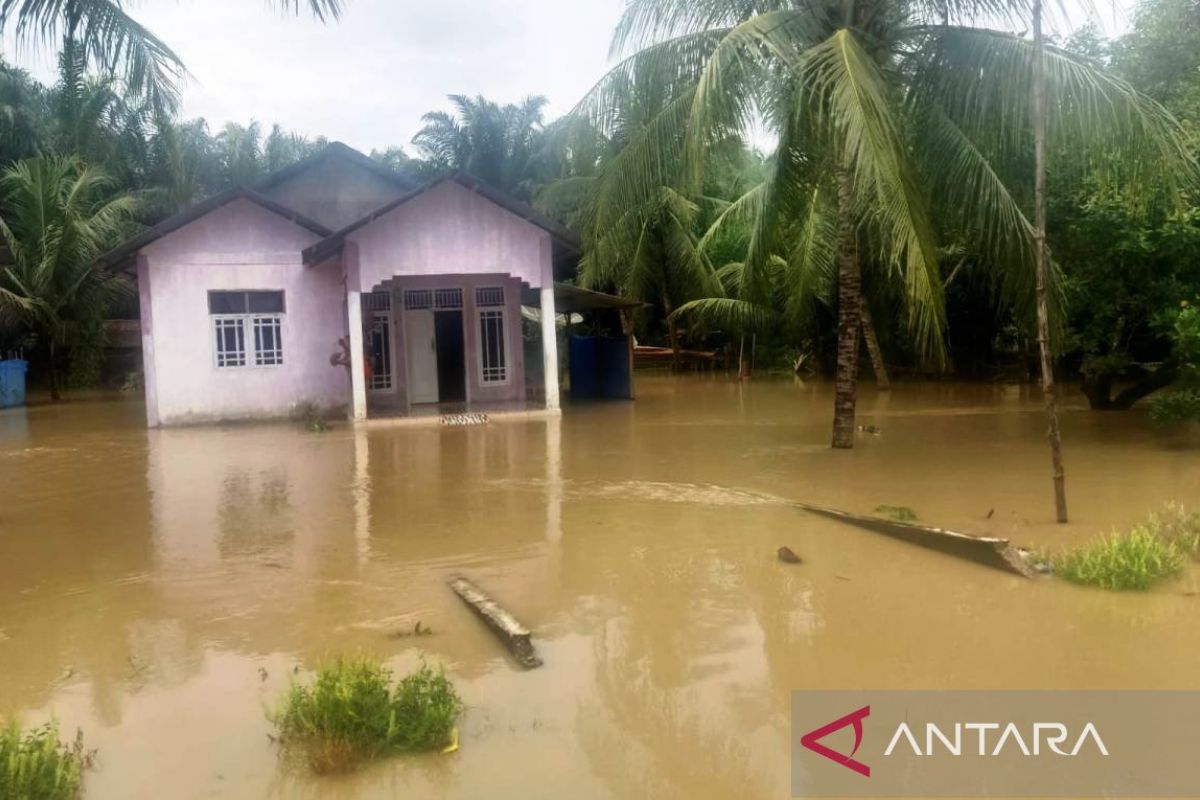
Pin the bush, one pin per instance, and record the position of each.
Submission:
(1175, 408)
(1132, 561)
(35, 765)
(352, 712)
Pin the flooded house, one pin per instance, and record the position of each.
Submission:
(336, 284)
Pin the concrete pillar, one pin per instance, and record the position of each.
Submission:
(149, 365)
(362, 495)
(358, 377)
(549, 347)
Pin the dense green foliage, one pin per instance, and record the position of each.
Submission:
(57, 221)
(676, 208)
(354, 711)
(35, 765)
(1129, 259)
(1151, 551)
(1182, 403)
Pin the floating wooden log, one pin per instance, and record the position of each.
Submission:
(986, 550)
(515, 635)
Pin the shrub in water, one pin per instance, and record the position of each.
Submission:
(353, 712)
(1132, 561)
(1175, 408)
(898, 513)
(1176, 525)
(35, 765)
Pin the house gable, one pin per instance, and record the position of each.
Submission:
(336, 188)
(449, 229)
(240, 231)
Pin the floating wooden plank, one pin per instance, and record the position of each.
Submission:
(515, 635)
(986, 550)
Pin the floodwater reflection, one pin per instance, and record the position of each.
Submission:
(160, 588)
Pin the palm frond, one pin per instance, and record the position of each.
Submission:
(847, 88)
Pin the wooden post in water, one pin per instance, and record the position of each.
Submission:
(515, 635)
(1049, 391)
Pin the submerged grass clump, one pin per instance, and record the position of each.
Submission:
(35, 765)
(1178, 526)
(1153, 550)
(354, 711)
(898, 513)
(1132, 561)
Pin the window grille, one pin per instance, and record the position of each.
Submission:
(492, 356)
(381, 354)
(487, 296)
(231, 341)
(447, 299)
(377, 301)
(268, 341)
(417, 299)
(241, 317)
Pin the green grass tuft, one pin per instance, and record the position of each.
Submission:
(1155, 549)
(354, 711)
(1133, 561)
(1178, 526)
(35, 765)
(898, 513)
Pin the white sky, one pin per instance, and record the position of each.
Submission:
(369, 77)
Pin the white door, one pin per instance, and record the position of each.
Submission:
(420, 339)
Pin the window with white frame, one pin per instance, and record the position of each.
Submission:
(377, 311)
(248, 328)
(493, 354)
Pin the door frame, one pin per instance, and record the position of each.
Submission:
(399, 313)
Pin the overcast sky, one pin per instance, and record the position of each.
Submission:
(367, 78)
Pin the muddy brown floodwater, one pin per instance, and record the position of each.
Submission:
(147, 578)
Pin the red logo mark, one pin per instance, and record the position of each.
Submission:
(812, 740)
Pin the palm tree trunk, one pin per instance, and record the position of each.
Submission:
(877, 365)
(672, 335)
(745, 367)
(849, 318)
(1039, 255)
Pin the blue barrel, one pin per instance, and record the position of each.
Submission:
(12, 382)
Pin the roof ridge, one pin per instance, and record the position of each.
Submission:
(336, 147)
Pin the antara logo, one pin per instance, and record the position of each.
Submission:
(992, 739)
(1050, 734)
(812, 740)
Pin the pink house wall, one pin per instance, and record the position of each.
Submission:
(239, 246)
(452, 237)
(450, 230)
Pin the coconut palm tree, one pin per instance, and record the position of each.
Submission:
(648, 250)
(1041, 270)
(58, 219)
(106, 36)
(498, 144)
(900, 111)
